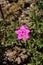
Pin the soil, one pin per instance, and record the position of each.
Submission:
(14, 55)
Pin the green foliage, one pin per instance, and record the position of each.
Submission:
(34, 45)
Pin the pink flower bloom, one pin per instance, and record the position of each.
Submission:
(23, 32)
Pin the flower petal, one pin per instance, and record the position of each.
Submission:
(26, 36)
(17, 31)
(27, 30)
(22, 27)
(19, 37)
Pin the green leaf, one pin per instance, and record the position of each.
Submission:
(39, 43)
(29, 64)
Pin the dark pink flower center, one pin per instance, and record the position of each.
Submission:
(23, 32)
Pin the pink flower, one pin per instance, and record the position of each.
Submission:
(22, 32)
